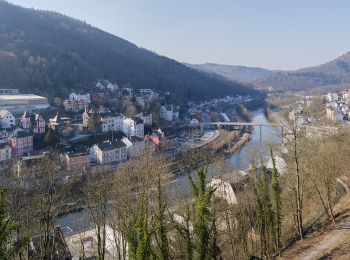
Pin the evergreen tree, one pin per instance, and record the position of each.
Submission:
(263, 211)
(214, 250)
(50, 137)
(202, 215)
(160, 224)
(185, 231)
(139, 234)
(277, 203)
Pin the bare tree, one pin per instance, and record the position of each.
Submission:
(294, 160)
(97, 194)
(50, 192)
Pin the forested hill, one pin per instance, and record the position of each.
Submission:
(52, 54)
(332, 74)
(234, 72)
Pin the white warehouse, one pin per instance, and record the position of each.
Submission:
(19, 103)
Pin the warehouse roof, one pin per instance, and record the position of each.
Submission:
(21, 96)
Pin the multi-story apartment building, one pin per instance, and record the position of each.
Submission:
(33, 123)
(59, 124)
(134, 127)
(77, 102)
(21, 143)
(109, 152)
(74, 105)
(111, 122)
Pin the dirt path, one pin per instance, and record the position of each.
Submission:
(336, 237)
(329, 242)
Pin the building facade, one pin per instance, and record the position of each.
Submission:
(33, 123)
(80, 97)
(78, 162)
(134, 127)
(74, 105)
(21, 143)
(109, 152)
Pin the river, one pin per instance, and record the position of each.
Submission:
(239, 161)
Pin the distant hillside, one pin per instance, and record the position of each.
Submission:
(52, 54)
(336, 72)
(234, 72)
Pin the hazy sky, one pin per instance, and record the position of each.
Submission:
(267, 33)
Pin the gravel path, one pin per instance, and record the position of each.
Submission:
(330, 242)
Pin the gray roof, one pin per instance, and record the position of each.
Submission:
(111, 145)
(137, 120)
(23, 134)
(110, 114)
(3, 146)
(136, 139)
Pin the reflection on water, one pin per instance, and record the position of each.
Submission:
(256, 147)
(239, 161)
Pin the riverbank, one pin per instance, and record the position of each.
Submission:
(241, 142)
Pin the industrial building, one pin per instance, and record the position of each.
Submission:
(18, 103)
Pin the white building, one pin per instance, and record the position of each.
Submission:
(112, 122)
(332, 97)
(7, 120)
(21, 102)
(135, 145)
(169, 113)
(107, 122)
(80, 97)
(134, 127)
(109, 152)
(106, 85)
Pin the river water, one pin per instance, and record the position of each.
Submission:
(257, 147)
